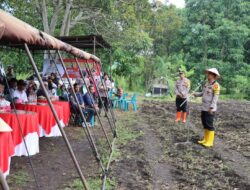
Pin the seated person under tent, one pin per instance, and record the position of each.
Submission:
(89, 113)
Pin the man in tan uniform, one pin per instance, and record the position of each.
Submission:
(182, 87)
(210, 95)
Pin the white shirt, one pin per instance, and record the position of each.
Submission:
(20, 95)
(12, 90)
(4, 103)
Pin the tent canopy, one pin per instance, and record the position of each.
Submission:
(15, 33)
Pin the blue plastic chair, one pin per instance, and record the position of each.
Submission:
(122, 101)
(92, 121)
(133, 102)
(114, 102)
(110, 94)
(119, 102)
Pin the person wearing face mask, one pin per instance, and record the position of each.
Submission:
(210, 95)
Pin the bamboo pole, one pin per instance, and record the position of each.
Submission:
(83, 179)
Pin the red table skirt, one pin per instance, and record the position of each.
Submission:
(6, 150)
(45, 115)
(28, 122)
(66, 109)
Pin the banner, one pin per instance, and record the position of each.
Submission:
(49, 67)
(73, 70)
(71, 67)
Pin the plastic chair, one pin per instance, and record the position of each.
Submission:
(115, 102)
(92, 121)
(119, 102)
(133, 102)
(110, 94)
(122, 101)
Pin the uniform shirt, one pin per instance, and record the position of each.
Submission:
(20, 95)
(210, 95)
(182, 87)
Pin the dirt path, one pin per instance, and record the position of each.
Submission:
(149, 155)
(169, 164)
(143, 165)
(239, 164)
(160, 170)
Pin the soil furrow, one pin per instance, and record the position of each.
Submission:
(161, 174)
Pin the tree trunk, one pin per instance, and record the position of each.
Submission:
(67, 29)
(45, 16)
(66, 17)
(222, 52)
(57, 9)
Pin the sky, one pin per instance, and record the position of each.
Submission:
(178, 3)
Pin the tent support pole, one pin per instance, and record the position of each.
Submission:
(21, 130)
(84, 124)
(54, 61)
(68, 94)
(3, 182)
(92, 99)
(106, 111)
(110, 63)
(83, 179)
(109, 103)
(94, 45)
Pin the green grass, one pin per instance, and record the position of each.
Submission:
(19, 178)
(126, 133)
(234, 97)
(94, 184)
(75, 133)
(104, 150)
(125, 128)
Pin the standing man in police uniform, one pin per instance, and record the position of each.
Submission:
(182, 87)
(210, 95)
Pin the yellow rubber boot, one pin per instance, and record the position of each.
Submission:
(210, 141)
(205, 137)
(178, 116)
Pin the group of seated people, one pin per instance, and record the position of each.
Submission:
(87, 101)
(21, 91)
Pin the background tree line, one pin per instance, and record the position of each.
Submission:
(152, 40)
